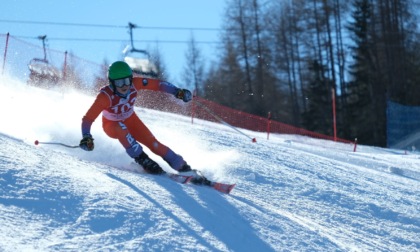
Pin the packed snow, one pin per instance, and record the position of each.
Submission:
(293, 193)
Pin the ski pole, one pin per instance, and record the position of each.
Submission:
(222, 121)
(56, 143)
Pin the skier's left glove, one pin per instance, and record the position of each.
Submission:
(87, 143)
(184, 95)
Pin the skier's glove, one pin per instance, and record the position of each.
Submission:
(87, 142)
(184, 95)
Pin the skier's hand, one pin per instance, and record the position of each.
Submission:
(87, 143)
(184, 95)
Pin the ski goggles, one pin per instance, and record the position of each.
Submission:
(122, 82)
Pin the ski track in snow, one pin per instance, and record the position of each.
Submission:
(293, 193)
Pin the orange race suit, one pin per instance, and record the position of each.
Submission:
(119, 120)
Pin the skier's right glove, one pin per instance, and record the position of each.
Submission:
(183, 94)
(87, 143)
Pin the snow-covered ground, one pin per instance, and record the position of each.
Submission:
(293, 193)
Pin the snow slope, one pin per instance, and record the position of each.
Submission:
(293, 193)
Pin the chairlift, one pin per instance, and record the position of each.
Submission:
(41, 72)
(138, 60)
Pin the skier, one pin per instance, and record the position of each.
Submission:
(116, 102)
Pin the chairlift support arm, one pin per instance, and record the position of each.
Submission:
(131, 26)
(43, 46)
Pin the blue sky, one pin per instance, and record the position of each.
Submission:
(111, 18)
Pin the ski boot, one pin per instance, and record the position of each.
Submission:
(148, 164)
(199, 179)
(185, 168)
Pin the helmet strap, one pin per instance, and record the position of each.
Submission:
(112, 86)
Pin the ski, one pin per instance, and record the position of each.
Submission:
(221, 187)
(135, 168)
(194, 177)
(199, 179)
(224, 188)
(183, 179)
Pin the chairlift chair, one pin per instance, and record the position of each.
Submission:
(40, 69)
(139, 60)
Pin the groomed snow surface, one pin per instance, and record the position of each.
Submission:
(293, 193)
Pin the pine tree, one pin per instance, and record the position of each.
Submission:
(360, 112)
(318, 117)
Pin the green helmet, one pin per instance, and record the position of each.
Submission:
(119, 70)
